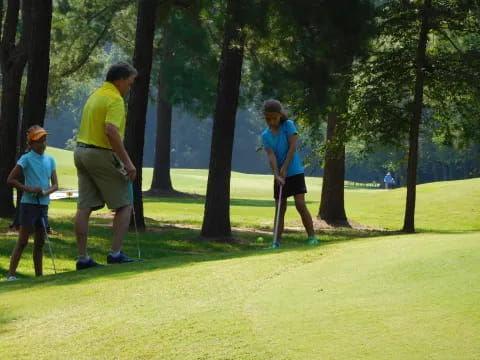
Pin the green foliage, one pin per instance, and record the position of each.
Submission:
(380, 105)
(309, 46)
(71, 143)
(82, 34)
(437, 161)
(188, 58)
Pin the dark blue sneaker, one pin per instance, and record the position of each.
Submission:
(120, 259)
(86, 264)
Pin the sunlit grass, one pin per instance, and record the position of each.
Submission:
(358, 295)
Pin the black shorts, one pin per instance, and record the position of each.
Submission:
(294, 185)
(33, 215)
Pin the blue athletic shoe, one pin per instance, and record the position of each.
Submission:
(120, 259)
(86, 264)
(312, 241)
(275, 245)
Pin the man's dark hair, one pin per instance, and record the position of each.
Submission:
(120, 71)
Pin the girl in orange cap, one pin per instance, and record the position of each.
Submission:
(38, 170)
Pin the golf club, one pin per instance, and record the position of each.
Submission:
(49, 245)
(277, 216)
(130, 186)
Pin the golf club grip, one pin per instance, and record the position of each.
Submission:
(130, 188)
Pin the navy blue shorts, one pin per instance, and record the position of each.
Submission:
(31, 215)
(294, 185)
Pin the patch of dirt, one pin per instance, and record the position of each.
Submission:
(320, 224)
(297, 226)
(172, 193)
(14, 232)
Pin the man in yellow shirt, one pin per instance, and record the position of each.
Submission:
(104, 167)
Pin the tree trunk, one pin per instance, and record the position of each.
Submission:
(161, 181)
(38, 25)
(13, 58)
(216, 220)
(332, 204)
(409, 220)
(137, 105)
(35, 101)
(1, 18)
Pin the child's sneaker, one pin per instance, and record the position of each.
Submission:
(12, 278)
(312, 240)
(275, 245)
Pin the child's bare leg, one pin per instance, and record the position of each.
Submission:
(281, 218)
(304, 214)
(22, 241)
(38, 243)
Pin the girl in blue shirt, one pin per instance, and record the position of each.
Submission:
(40, 177)
(280, 142)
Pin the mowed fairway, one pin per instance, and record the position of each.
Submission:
(401, 297)
(358, 295)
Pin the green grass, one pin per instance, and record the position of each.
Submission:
(252, 204)
(359, 295)
(415, 299)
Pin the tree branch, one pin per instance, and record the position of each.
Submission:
(444, 34)
(75, 67)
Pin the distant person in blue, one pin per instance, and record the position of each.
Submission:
(389, 181)
(280, 142)
(40, 176)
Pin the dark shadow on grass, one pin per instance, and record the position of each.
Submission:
(168, 247)
(169, 194)
(200, 200)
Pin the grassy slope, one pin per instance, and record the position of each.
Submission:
(377, 208)
(387, 297)
(415, 299)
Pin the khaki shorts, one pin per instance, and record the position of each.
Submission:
(101, 179)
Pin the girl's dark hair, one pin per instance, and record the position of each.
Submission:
(120, 71)
(273, 105)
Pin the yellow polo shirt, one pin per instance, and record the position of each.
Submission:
(104, 106)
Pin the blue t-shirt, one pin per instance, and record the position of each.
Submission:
(279, 144)
(388, 179)
(37, 170)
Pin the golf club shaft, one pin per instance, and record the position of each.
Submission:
(136, 232)
(130, 185)
(277, 215)
(49, 245)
